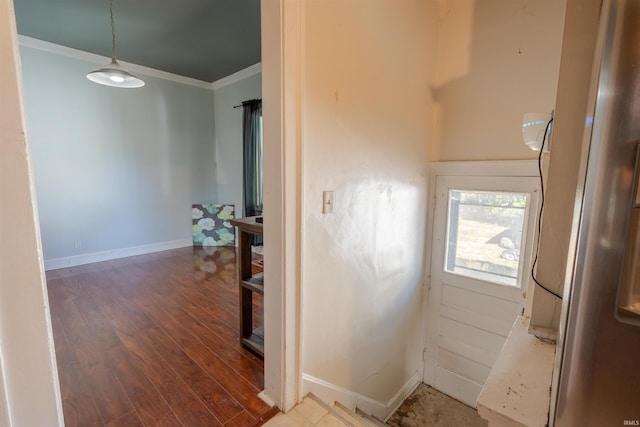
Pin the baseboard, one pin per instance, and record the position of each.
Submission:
(330, 392)
(398, 399)
(266, 399)
(72, 261)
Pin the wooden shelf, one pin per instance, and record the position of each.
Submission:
(253, 339)
(248, 225)
(255, 283)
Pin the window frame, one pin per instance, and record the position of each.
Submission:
(489, 277)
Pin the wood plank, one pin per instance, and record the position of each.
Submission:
(126, 316)
(150, 405)
(240, 360)
(110, 400)
(501, 291)
(79, 407)
(480, 303)
(484, 357)
(186, 405)
(99, 329)
(216, 320)
(72, 320)
(65, 354)
(470, 335)
(479, 321)
(221, 403)
(221, 310)
(237, 385)
(242, 419)
(452, 384)
(227, 333)
(80, 410)
(463, 366)
(122, 329)
(128, 420)
(168, 324)
(71, 382)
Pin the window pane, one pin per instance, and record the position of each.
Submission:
(484, 234)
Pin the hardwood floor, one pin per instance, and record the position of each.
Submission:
(153, 340)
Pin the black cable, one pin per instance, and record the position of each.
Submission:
(535, 260)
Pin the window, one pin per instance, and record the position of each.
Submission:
(485, 234)
(253, 158)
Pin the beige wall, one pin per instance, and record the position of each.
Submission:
(497, 59)
(367, 108)
(30, 379)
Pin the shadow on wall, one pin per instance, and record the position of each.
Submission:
(498, 59)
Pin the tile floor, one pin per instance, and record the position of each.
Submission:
(426, 407)
(306, 414)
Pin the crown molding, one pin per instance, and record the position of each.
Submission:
(236, 77)
(57, 49)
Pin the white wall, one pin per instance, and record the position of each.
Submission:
(367, 105)
(497, 59)
(228, 138)
(29, 391)
(114, 168)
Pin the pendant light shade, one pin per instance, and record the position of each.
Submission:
(114, 74)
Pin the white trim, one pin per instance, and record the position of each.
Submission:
(329, 392)
(89, 258)
(266, 399)
(496, 168)
(80, 55)
(282, 23)
(238, 76)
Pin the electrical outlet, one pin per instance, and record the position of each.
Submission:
(77, 244)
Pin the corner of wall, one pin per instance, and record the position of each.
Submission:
(330, 392)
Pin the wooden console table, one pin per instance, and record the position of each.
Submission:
(248, 284)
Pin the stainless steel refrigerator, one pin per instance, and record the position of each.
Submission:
(599, 382)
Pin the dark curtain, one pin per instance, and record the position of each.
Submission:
(252, 149)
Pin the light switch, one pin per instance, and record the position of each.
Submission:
(327, 202)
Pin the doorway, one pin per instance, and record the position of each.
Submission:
(483, 234)
(281, 194)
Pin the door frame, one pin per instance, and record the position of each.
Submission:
(281, 30)
(282, 37)
(497, 168)
(29, 384)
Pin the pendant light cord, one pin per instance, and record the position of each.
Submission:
(114, 74)
(113, 32)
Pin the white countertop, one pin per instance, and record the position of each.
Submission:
(518, 390)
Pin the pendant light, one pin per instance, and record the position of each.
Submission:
(114, 74)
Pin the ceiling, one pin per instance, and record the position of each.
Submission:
(201, 39)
